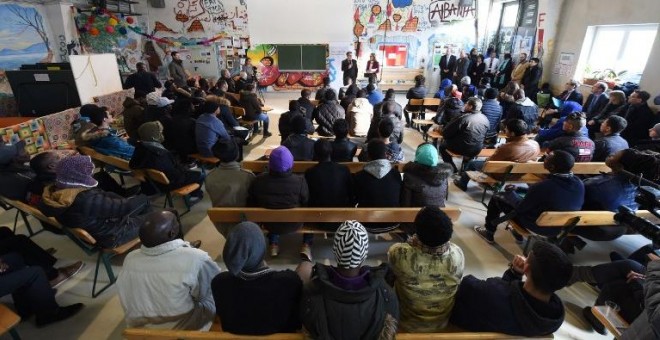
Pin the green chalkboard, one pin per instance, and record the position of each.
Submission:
(301, 57)
(314, 57)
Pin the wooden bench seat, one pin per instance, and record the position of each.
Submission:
(312, 216)
(302, 166)
(205, 160)
(8, 322)
(156, 177)
(568, 220)
(158, 334)
(495, 174)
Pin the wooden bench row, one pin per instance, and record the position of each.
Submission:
(300, 167)
(152, 176)
(81, 238)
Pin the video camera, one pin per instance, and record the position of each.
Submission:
(648, 199)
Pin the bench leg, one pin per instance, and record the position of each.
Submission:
(16, 220)
(14, 334)
(105, 257)
(27, 223)
(186, 201)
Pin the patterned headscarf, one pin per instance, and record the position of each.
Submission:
(351, 245)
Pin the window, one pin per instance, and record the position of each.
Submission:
(620, 48)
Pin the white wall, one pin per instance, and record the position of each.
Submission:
(576, 16)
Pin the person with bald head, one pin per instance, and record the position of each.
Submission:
(250, 297)
(167, 282)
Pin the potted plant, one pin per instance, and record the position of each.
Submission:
(607, 75)
(590, 76)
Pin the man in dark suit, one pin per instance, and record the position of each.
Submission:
(597, 100)
(447, 65)
(350, 68)
(571, 93)
(531, 78)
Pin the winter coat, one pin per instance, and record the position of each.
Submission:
(465, 134)
(359, 117)
(607, 146)
(343, 150)
(228, 186)
(208, 130)
(640, 119)
(274, 190)
(111, 144)
(424, 185)
(378, 109)
(378, 185)
(325, 115)
(509, 310)
(133, 117)
(581, 147)
(284, 124)
(450, 109)
(397, 134)
(493, 111)
(251, 104)
(525, 110)
(179, 135)
(330, 185)
(517, 149)
(301, 147)
(330, 312)
(104, 215)
(151, 155)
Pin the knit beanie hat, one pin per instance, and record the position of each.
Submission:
(226, 150)
(75, 172)
(434, 228)
(245, 248)
(151, 132)
(444, 83)
(466, 80)
(351, 245)
(426, 154)
(280, 160)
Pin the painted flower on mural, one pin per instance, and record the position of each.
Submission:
(401, 3)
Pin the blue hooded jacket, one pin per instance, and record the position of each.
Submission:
(443, 85)
(555, 131)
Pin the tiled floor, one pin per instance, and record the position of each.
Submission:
(102, 317)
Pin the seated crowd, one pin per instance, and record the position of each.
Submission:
(170, 283)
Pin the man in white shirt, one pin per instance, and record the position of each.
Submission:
(491, 65)
(167, 283)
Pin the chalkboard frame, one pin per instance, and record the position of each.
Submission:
(311, 52)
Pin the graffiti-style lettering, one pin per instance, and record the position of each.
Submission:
(444, 11)
(213, 6)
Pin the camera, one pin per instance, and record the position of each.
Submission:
(648, 199)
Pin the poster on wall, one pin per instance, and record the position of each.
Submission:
(523, 41)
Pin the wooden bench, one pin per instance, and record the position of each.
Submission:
(158, 334)
(398, 79)
(117, 165)
(568, 220)
(300, 167)
(495, 174)
(84, 240)
(8, 322)
(311, 216)
(156, 177)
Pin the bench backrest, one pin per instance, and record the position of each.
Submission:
(263, 215)
(237, 111)
(431, 102)
(302, 166)
(587, 218)
(110, 160)
(416, 102)
(160, 334)
(501, 167)
(155, 175)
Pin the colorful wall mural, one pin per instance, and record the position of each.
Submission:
(265, 58)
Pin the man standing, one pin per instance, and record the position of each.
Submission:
(639, 116)
(177, 72)
(519, 70)
(143, 81)
(597, 100)
(167, 283)
(462, 67)
(531, 78)
(447, 64)
(350, 69)
(491, 65)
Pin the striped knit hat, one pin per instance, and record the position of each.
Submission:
(351, 245)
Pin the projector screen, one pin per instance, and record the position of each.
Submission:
(300, 21)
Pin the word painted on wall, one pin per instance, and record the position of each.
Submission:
(448, 10)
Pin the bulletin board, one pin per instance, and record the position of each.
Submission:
(95, 75)
(200, 60)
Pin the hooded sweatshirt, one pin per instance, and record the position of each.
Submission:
(359, 116)
(133, 117)
(510, 309)
(523, 109)
(378, 185)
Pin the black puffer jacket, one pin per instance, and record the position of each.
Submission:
(301, 147)
(325, 115)
(378, 108)
(279, 191)
(424, 185)
(149, 155)
(104, 215)
(330, 312)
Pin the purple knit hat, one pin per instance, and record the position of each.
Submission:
(75, 172)
(280, 160)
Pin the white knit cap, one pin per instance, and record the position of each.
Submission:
(351, 244)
